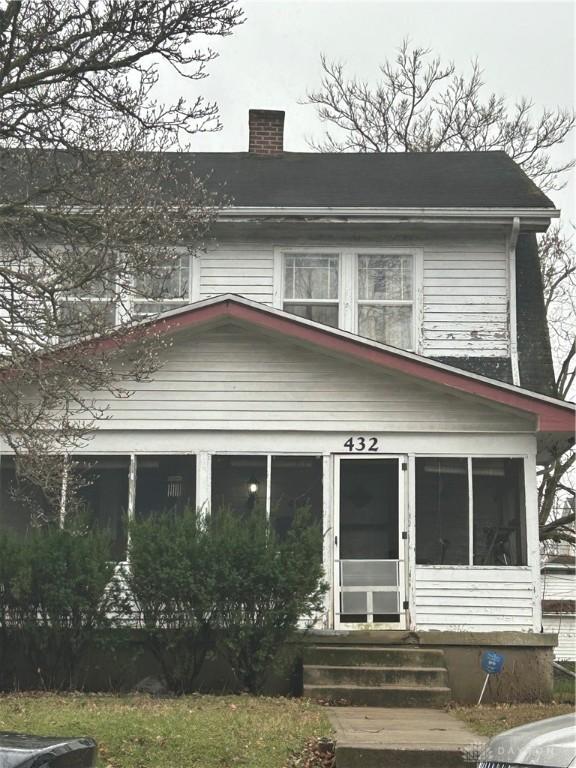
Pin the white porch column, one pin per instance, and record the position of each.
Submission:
(203, 482)
(328, 538)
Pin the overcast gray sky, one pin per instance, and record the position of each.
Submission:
(524, 48)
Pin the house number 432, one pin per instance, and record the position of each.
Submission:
(362, 444)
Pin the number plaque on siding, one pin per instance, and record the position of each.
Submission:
(362, 445)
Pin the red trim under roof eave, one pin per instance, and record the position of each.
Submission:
(551, 417)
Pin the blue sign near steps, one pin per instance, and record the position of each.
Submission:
(492, 662)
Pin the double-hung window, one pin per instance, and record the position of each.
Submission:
(370, 292)
(311, 286)
(168, 289)
(385, 302)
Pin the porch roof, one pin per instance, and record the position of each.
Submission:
(552, 415)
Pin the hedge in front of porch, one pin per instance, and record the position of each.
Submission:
(197, 588)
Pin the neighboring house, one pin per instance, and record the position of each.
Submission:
(559, 601)
(366, 335)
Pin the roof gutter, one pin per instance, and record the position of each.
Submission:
(528, 216)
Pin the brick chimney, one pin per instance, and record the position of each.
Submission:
(266, 128)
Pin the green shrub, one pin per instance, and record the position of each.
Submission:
(171, 581)
(54, 598)
(225, 583)
(265, 587)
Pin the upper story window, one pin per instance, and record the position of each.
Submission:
(368, 292)
(311, 286)
(168, 289)
(385, 303)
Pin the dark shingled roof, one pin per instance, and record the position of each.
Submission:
(499, 368)
(309, 179)
(402, 180)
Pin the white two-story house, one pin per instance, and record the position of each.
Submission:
(365, 335)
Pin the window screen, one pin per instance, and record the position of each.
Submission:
(499, 512)
(104, 497)
(442, 511)
(238, 483)
(165, 484)
(296, 482)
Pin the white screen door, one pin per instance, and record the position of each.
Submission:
(369, 555)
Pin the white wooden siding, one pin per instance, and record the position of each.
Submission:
(473, 599)
(558, 585)
(236, 378)
(565, 625)
(246, 269)
(465, 297)
(462, 299)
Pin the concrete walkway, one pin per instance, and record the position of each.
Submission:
(375, 737)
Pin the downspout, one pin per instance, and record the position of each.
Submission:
(512, 240)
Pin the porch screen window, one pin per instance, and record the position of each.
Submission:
(168, 289)
(311, 285)
(385, 299)
(470, 511)
(238, 483)
(164, 484)
(296, 483)
(499, 515)
(103, 500)
(442, 511)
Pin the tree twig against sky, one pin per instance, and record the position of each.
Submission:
(91, 207)
(557, 492)
(421, 104)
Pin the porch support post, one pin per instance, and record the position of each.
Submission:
(328, 540)
(203, 482)
(411, 575)
(533, 537)
(132, 488)
(131, 510)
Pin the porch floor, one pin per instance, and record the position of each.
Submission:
(375, 737)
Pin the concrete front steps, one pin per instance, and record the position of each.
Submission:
(376, 676)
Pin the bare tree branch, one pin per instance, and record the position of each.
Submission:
(420, 104)
(93, 209)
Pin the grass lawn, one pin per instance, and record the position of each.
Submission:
(491, 719)
(135, 731)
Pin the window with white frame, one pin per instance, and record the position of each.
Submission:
(470, 511)
(95, 304)
(385, 301)
(368, 292)
(168, 289)
(311, 286)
